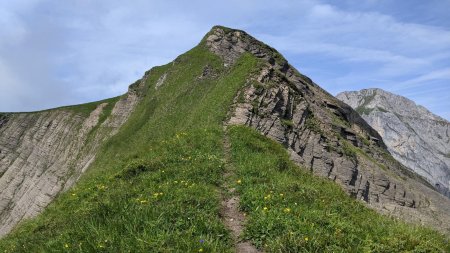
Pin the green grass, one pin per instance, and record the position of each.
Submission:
(287, 123)
(313, 124)
(290, 210)
(86, 109)
(351, 151)
(363, 110)
(348, 149)
(156, 185)
(107, 110)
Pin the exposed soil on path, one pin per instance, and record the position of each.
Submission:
(234, 219)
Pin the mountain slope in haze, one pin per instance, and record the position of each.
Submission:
(416, 137)
(158, 184)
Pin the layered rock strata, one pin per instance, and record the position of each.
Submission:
(44, 153)
(324, 135)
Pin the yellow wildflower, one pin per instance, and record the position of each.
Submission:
(265, 208)
(306, 238)
(66, 245)
(287, 210)
(200, 250)
(238, 181)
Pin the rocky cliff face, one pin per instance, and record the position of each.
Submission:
(44, 153)
(325, 135)
(416, 137)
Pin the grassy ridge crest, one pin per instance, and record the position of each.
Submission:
(155, 186)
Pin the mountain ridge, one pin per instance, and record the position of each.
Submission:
(44, 153)
(329, 107)
(155, 184)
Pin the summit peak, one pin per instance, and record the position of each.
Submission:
(231, 43)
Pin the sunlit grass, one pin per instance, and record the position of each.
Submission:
(290, 210)
(155, 186)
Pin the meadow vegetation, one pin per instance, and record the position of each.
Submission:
(156, 185)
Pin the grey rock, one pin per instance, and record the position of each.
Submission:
(325, 135)
(160, 81)
(45, 153)
(416, 137)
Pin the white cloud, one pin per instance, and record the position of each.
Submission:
(421, 80)
(364, 36)
(434, 75)
(88, 50)
(12, 28)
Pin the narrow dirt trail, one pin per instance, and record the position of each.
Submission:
(234, 219)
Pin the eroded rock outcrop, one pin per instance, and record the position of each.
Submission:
(325, 135)
(44, 153)
(416, 137)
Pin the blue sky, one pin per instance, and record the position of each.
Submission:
(56, 53)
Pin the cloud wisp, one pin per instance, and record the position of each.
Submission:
(70, 52)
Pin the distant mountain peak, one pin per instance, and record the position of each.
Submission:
(378, 99)
(415, 136)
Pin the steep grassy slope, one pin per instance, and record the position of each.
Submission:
(156, 185)
(290, 210)
(43, 153)
(325, 135)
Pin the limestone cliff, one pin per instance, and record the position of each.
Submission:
(325, 135)
(416, 137)
(44, 153)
